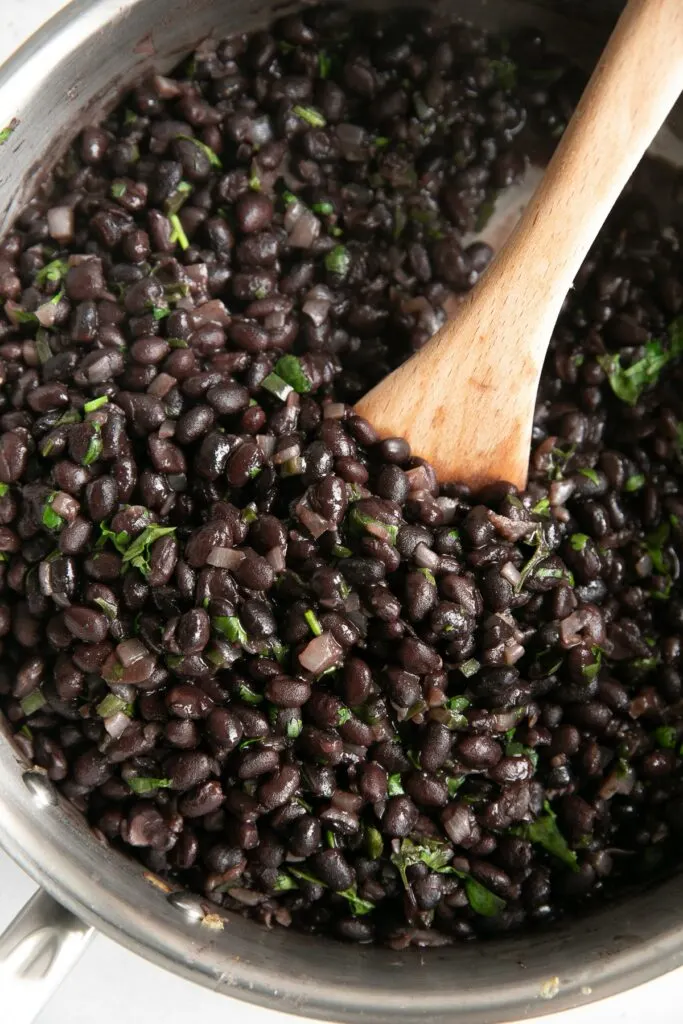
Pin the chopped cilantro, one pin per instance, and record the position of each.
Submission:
(138, 552)
(504, 73)
(629, 383)
(591, 475)
(454, 783)
(53, 271)
(394, 785)
(254, 182)
(118, 189)
(311, 116)
(344, 715)
(375, 843)
(634, 483)
(277, 386)
(4, 488)
(7, 130)
(178, 233)
(431, 578)
(325, 208)
(214, 159)
(96, 403)
(109, 609)
(284, 883)
(666, 736)
(294, 727)
(290, 370)
(357, 906)
(545, 833)
(481, 899)
(120, 540)
(142, 785)
(591, 672)
(542, 508)
(231, 628)
(578, 541)
(324, 64)
(94, 446)
(360, 521)
(50, 517)
(248, 695)
(338, 261)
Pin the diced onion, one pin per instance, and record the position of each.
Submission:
(47, 314)
(165, 88)
(511, 573)
(449, 507)
(421, 478)
(314, 523)
(130, 651)
(512, 652)
(334, 411)
(321, 653)
(317, 310)
(305, 231)
(266, 443)
(65, 505)
(225, 558)
(276, 558)
(160, 387)
(425, 558)
(117, 724)
(285, 454)
(560, 491)
(60, 223)
(213, 312)
(511, 529)
(618, 781)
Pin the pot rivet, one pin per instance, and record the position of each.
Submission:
(40, 788)
(187, 904)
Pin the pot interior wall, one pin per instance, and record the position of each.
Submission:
(59, 83)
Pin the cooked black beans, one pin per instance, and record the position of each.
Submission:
(260, 647)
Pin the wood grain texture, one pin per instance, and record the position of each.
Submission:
(465, 401)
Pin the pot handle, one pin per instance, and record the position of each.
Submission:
(37, 951)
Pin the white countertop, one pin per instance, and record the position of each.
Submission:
(90, 993)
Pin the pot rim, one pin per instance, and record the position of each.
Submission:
(573, 963)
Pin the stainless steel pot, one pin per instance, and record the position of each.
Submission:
(59, 81)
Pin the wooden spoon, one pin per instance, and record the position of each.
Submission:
(465, 402)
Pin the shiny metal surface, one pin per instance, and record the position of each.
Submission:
(37, 950)
(73, 68)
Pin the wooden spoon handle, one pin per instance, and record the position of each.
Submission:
(632, 89)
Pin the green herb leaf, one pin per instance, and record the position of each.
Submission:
(654, 545)
(311, 116)
(431, 578)
(339, 551)
(4, 488)
(591, 672)
(111, 705)
(138, 552)
(394, 785)
(291, 371)
(160, 312)
(109, 609)
(324, 64)
(96, 403)
(634, 483)
(326, 208)
(54, 271)
(628, 384)
(666, 736)
(591, 475)
(142, 785)
(469, 668)
(435, 854)
(118, 189)
(375, 843)
(231, 628)
(254, 182)
(32, 702)
(344, 715)
(313, 623)
(94, 447)
(504, 73)
(178, 232)
(294, 727)
(357, 906)
(22, 316)
(338, 261)
(120, 540)
(214, 159)
(544, 832)
(284, 883)
(175, 202)
(248, 695)
(481, 899)
(277, 386)
(454, 782)
(250, 742)
(50, 517)
(578, 541)
(515, 749)
(542, 508)
(541, 553)
(360, 522)
(7, 130)
(306, 876)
